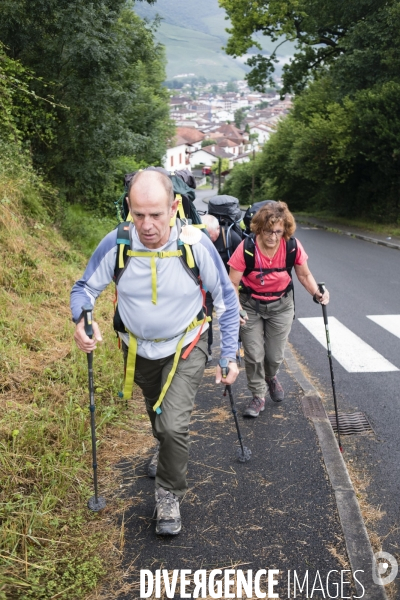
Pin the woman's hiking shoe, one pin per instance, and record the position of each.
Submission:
(168, 514)
(275, 389)
(254, 407)
(152, 466)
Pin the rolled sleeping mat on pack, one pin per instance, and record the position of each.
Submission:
(225, 206)
(187, 176)
(251, 211)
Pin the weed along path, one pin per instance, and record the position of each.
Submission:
(272, 519)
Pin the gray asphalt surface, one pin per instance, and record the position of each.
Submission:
(363, 279)
(200, 196)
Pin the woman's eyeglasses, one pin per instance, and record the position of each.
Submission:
(269, 233)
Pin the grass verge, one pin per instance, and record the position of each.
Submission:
(51, 545)
(372, 226)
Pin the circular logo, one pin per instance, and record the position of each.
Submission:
(384, 568)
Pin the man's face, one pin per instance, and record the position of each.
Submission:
(149, 208)
(214, 234)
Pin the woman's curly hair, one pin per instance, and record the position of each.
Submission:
(271, 213)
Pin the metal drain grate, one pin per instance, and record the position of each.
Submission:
(351, 423)
(313, 407)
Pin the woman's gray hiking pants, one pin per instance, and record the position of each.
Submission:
(264, 338)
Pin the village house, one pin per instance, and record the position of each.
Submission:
(209, 155)
(262, 131)
(186, 141)
(177, 155)
(211, 117)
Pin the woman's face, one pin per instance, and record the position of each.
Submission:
(271, 237)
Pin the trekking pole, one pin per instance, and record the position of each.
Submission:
(243, 454)
(239, 350)
(95, 503)
(328, 343)
(243, 314)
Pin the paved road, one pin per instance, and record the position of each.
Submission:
(200, 196)
(363, 279)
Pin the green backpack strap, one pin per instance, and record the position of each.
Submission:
(188, 262)
(123, 245)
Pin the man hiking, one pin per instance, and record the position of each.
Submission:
(162, 323)
(217, 236)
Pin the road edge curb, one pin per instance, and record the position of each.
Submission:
(358, 545)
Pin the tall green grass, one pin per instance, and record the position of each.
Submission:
(84, 228)
(51, 546)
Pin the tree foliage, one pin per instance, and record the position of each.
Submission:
(221, 166)
(339, 148)
(231, 86)
(103, 70)
(22, 111)
(207, 142)
(239, 116)
(322, 29)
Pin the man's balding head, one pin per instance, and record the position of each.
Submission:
(212, 226)
(146, 183)
(152, 205)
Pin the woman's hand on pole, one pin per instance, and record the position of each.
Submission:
(84, 342)
(322, 298)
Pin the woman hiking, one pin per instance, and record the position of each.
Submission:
(260, 270)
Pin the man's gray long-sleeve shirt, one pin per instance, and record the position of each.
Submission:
(179, 298)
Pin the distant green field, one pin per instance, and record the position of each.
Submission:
(194, 34)
(196, 52)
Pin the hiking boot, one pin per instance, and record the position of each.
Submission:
(275, 389)
(168, 515)
(152, 466)
(254, 407)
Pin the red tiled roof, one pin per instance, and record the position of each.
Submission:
(190, 134)
(230, 131)
(217, 151)
(228, 142)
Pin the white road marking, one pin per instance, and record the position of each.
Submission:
(355, 355)
(389, 322)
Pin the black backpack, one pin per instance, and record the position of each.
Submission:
(249, 257)
(184, 185)
(227, 210)
(251, 211)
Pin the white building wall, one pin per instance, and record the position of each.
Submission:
(202, 158)
(263, 135)
(175, 158)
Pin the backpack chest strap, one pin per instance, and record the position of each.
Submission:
(264, 272)
(153, 256)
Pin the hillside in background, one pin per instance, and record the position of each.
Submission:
(194, 39)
